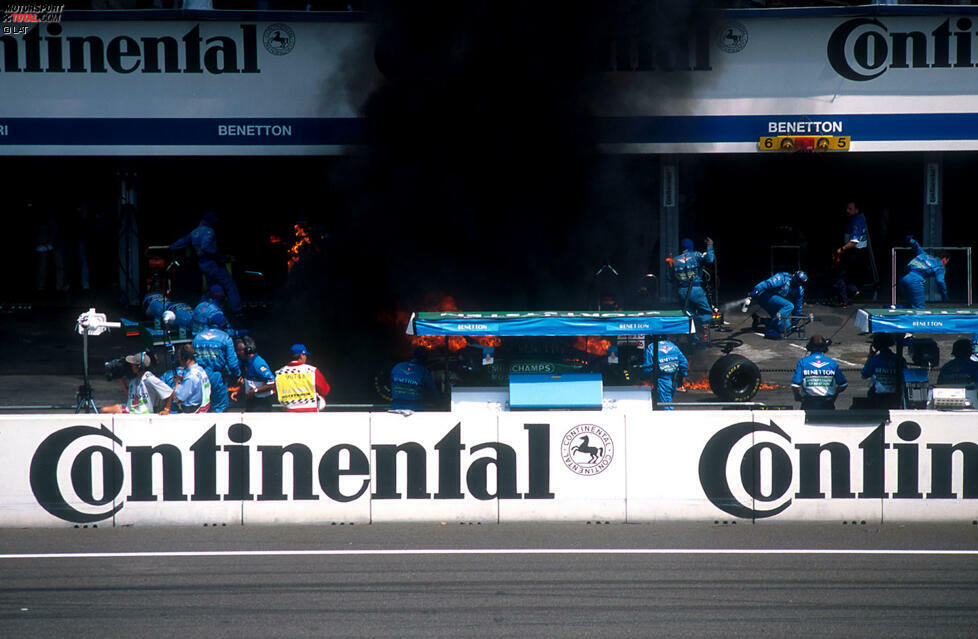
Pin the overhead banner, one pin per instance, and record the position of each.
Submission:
(177, 87)
(878, 80)
(608, 466)
(865, 78)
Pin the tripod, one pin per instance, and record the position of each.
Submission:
(84, 400)
(89, 323)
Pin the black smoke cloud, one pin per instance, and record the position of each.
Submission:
(481, 176)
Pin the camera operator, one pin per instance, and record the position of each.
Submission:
(147, 393)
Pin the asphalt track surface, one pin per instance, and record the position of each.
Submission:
(539, 580)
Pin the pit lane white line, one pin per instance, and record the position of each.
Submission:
(487, 551)
(841, 361)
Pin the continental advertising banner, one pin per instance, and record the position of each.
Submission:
(174, 87)
(876, 82)
(862, 78)
(606, 466)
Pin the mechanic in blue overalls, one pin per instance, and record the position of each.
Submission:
(961, 370)
(853, 255)
(216, 354)
(204, 243)
(218, 389)
(818, 380)
(781, 295)
(883, 368)
(411, 383)
(257, 379)
(209, 311)
(923, 266)
(685, 272)
(673, 367)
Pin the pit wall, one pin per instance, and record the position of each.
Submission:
(97, 470)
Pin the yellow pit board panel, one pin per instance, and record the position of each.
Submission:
(804, 143)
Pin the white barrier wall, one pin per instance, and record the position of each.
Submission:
(762, 466)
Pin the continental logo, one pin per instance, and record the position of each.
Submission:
(44, 49)
(104, 474)
(864, 49)
(762, 489)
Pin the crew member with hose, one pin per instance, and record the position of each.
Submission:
(818, 380)
(922, 267)
(412, 383)
(672, 369)
(685, 272)
(781, 295)
(300, 386)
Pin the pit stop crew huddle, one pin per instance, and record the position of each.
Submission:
(817, 381)
(205, 368)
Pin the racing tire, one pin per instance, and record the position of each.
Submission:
(734, 378)
(380, 382)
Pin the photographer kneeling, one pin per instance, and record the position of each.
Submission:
(147, 393)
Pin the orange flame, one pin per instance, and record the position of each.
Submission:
(701, 382)
(593, 345)
(301, 239)
(431, 342)
(488, 340)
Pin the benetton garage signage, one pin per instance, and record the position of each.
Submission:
(504, 467)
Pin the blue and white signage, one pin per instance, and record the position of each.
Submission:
(125, 87)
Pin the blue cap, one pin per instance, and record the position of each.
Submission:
(215, 291)
(218, 320)
(687, 244)
(299, 349)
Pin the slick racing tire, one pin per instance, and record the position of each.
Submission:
(734, 378)
(380, 381)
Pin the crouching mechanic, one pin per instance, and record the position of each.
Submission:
(146, 392)
(301, 387)
(922, 267)
(215, 353)
(208, 312)
(781, 295)
(672, 370)
(817, 380)
(412, 383)
(193, 391)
